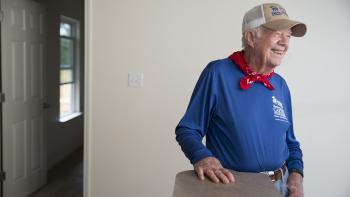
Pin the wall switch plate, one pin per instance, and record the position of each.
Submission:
(135, 80)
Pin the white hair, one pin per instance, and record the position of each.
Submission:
(256, 33)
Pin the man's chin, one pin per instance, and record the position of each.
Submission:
(273, 66)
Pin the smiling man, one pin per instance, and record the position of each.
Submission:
(244, 108)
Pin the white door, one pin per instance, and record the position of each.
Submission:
(24, 139)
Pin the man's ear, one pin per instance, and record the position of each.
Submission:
(249, 37)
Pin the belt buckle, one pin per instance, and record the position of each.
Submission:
(270, 174)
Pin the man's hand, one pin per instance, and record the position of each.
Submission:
(295, 185)
(212, 168)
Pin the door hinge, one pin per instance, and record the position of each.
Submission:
(2, 97)
(46, 105)
(2, 176)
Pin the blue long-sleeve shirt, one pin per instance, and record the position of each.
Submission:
(247, 130)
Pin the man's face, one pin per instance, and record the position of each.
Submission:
(271, 46)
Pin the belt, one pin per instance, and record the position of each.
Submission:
(277, 174)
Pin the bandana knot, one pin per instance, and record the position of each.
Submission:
(250, 76)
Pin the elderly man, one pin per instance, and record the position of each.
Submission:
(244, 108)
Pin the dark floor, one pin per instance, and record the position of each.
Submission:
(65, 179)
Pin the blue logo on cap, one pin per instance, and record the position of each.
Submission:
(276, 11)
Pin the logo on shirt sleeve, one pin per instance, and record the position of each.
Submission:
(278, 110)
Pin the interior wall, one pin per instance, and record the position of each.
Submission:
(63, 137)
(131, 142)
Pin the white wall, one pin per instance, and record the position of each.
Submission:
(63, 137)
(130, 131)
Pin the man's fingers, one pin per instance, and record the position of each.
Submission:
(212, 168)
(200, 173)
(222, 176)
(211, 175)
(229, 175)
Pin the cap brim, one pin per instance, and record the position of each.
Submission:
(298, 28)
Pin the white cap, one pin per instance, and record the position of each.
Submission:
(272, 16)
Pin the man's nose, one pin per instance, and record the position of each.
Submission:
(284, 40)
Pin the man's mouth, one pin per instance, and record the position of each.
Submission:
(278, 52)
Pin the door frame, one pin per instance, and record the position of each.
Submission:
(87, 96)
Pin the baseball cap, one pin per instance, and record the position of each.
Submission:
(272, 16)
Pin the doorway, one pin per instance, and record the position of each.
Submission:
(34, 137)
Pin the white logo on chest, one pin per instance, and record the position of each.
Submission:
(278, 110)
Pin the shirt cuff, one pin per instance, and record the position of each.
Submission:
(201, 154)
(297, 171)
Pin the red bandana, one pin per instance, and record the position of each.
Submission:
(250, 76)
